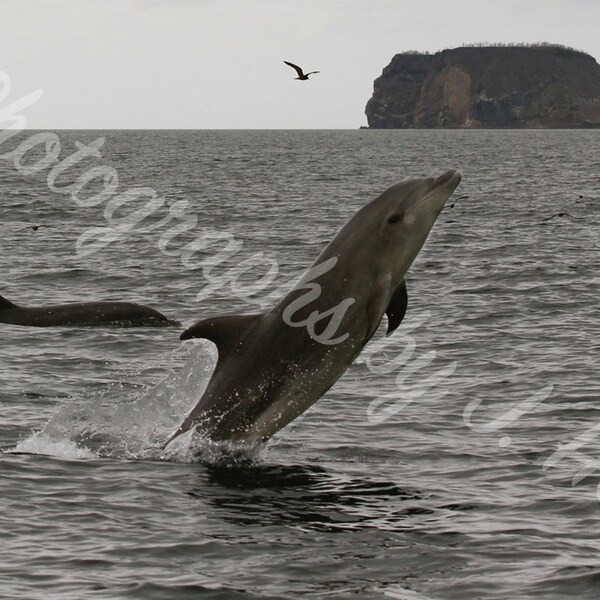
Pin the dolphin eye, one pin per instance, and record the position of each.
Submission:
(394, 219)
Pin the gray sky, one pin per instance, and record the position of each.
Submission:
(218, 63)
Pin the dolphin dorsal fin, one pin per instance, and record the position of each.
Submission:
(6, 304)
(397, 307)
(226, 331)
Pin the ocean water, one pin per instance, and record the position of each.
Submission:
(457, 461)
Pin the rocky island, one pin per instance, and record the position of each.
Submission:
(540, 86)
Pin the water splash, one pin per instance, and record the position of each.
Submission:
(192, 446)
(122, 422)
(40, 443)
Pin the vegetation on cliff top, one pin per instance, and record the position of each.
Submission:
(498, 45)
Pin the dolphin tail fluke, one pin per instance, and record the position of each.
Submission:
(6, 304)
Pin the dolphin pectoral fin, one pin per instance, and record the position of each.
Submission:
(225, 332)
(397, 307)
(377, 305)
(395, 310)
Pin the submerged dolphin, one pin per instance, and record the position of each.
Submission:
(81, 313)
(273, 366)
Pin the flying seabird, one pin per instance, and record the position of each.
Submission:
(301, 74)
(560, 214)
(459, 198)
(33, 226)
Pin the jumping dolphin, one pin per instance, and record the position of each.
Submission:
(273, 366)
(82, 313)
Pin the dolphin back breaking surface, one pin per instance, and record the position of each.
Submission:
(273, 366)
(81, 314)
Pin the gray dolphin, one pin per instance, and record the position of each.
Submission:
(275, 365)
(81, 313)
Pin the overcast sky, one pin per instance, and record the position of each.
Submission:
(218, 63)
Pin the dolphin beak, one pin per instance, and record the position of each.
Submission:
(438, 193)
(450, 180)
(441, 189)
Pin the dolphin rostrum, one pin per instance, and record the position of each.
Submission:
(81, 313)
(273, 366)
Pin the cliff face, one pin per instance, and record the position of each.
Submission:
(494, 86)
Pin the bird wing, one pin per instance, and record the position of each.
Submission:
(312, 73)
(298, 69)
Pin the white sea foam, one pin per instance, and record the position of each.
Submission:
(193, 447)
(39, 443)
(122, 422)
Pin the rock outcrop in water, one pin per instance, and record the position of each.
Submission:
(540, 86)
